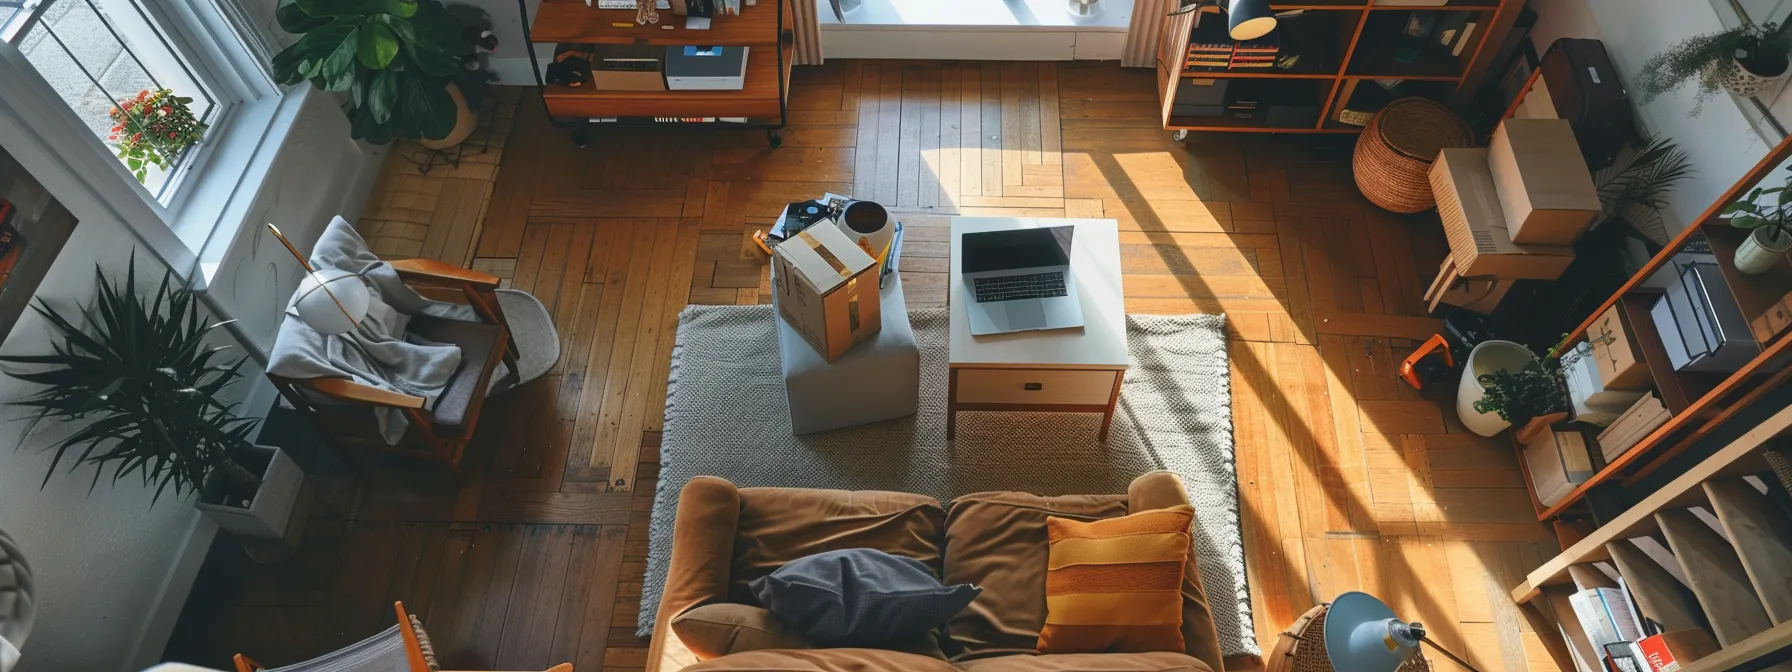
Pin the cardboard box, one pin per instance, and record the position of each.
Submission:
(1670, 651)
(1542, 181)
(1558, 461)
(1620, 364)
(626, 67)
(827, 289)
(1475, 224)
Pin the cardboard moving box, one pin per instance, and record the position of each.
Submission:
(827, 289)
(1558, 461)
(1475, 224)
(1542, 181)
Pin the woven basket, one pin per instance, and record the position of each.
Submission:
(1301, 648)
(1394, 154)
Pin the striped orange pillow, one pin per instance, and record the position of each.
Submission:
(1115, 585)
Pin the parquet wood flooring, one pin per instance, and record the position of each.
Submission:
(1349, 479)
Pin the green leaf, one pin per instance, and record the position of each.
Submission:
(376, 46)
(337, 71)
(357, 8)
(293, 19)
(431, 39)
(427, 107)
(1746, 221)
(382, 95)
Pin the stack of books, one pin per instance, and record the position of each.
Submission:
(1209, 55)
(1254, 54)
(1592, 403)
(1642, 417)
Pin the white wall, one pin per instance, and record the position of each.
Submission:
(113, 570)
(1720, 141)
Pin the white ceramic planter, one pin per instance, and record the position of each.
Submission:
(869, 226)
(1756, 255)
(270, 511)
(1743, 83)
(1488, 357)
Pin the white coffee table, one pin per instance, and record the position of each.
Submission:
(1060, 370)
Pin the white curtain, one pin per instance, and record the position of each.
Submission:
(808, 32)
(1142, 36)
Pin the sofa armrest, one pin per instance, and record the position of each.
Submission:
(1160, 490)
(702, 558)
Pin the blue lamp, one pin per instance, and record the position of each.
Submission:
(1363, 635)
(1246, 20)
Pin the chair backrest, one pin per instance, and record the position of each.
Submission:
(396, 649)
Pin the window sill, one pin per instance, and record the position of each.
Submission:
(1018, 15)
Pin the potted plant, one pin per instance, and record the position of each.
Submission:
(1504, 384)
(398, 61)
(141, 383)
(1743, 60)
(153, 129)
(1769, 226)
(1635, 188)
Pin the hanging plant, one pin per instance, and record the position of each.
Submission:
(154, 128)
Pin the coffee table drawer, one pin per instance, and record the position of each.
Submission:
(1024, 386)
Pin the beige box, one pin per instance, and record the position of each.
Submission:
(1542, 181)
(1615, 355)
(627, 80)
(1475, 224)
(1558, 461)
(827, 289)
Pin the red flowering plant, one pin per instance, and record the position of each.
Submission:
(153, 128)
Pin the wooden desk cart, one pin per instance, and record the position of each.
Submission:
(764, 28)
(1341, 44)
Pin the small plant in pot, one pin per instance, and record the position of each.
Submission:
(1529, 398)
(1743, 60)
(138, 379)
(1769, 225)
(401, 62)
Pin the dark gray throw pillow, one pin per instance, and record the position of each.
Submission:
(860, 597)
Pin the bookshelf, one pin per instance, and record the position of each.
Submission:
(764, 28)
(1341, 45)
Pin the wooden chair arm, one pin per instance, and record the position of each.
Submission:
(430, 270)
(348, 390)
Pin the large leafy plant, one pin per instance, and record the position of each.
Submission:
(394, 58)
(143, 384)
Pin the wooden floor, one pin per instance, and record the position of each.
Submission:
(1350, 480)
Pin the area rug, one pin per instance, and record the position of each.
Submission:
(726, 415)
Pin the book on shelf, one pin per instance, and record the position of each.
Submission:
(1605, 615)
(1462, 39)
(1643, 417)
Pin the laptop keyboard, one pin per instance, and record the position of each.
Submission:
(1013, 287)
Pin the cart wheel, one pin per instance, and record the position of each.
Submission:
(581, 139)
(1179, 136)
(775, 138)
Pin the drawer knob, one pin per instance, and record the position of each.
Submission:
(1035, 387)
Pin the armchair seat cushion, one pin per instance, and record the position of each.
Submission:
(476, 341)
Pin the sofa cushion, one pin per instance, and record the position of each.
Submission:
(780, 525)
(825, 660)
(860, 597)
(1115, 585)
(716, 630)
(1162, 661)
(997, 541)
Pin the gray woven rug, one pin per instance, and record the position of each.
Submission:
(726, 416)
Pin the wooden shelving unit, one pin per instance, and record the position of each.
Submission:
(1736, 578)
(1701, 403)
(765, 29)
(1340, 43)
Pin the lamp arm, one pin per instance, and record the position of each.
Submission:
(1449, 655)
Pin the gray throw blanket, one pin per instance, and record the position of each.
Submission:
(379, 354)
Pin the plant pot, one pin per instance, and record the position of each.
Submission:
(869, 226)
(1745, 82)
(1757, 254)
(465, 120)
(269, 512)
(1488, 357)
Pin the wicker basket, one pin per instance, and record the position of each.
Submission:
(1301, 648)
(1394, 154)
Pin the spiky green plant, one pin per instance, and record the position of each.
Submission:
(1710, 57)
(142, 384)
(1636, 189)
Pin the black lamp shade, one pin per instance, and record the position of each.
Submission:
(1249, 19)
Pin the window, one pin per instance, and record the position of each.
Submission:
(96, 53)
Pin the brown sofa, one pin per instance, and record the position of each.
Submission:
(726, 537)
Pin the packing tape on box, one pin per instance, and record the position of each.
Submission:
(826, 255)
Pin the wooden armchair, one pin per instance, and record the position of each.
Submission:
(402, 646)
(341, 407)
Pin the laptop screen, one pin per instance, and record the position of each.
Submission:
(1017, 248)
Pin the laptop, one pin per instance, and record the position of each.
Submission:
(1020, 280)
